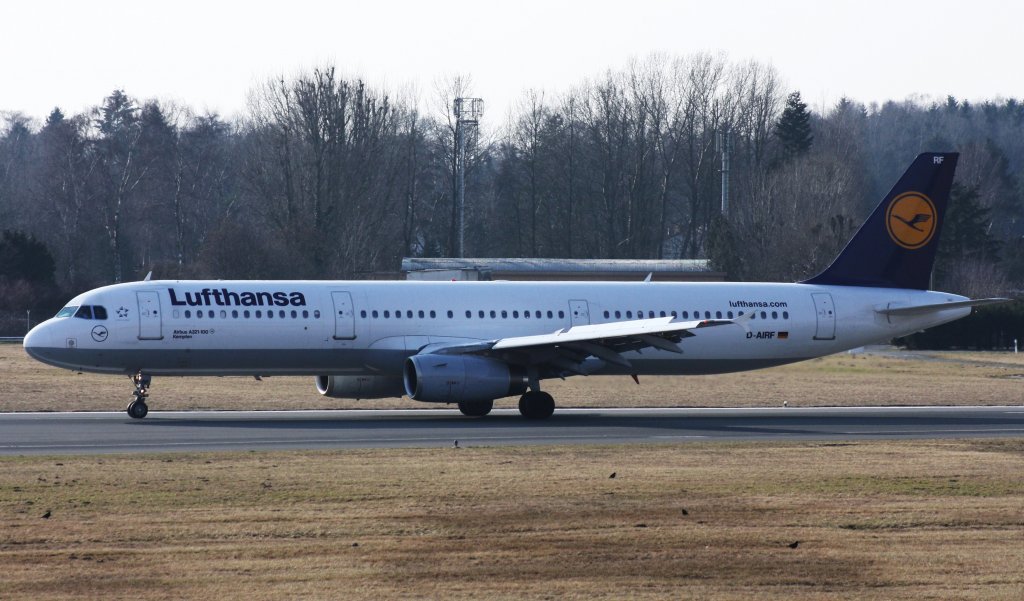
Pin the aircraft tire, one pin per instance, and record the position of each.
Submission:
(477, 408)
(137, 409)
(536, 404)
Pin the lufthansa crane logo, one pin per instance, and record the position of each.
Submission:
(911, 220)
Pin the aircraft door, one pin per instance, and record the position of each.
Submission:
(344, 316)
(579, 312)
(826, 316)
(150, 321)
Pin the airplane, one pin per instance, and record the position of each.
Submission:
(470, 343)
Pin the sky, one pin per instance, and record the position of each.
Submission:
(210, 55)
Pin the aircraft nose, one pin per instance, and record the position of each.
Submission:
(38, 338)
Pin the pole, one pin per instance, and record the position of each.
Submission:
(28, 320)
(723, 142)
(460, 184)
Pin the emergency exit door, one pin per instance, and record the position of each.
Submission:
(826, 316)
(150, 320)
(344, 316)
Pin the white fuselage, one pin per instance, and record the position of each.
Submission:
(371, 327)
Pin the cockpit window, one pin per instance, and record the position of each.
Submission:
(84, 312)
(67, 311)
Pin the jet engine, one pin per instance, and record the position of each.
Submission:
(461, 379)
(359, 387)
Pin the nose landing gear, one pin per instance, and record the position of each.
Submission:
(137, 408)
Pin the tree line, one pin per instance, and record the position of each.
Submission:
(328, 177)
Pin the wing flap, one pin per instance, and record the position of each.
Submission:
(604, 331)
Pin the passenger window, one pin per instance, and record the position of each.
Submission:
(234, 313)
(316, 314)
(650, 314)
(537, 315)
(450, 314)
(223, 314)
(764, 315)
(674, 315)
(707, 315)
(421, 314)
(99, 312)
(718, 315)
(606, 315)
(785, 315)
(84, 312)
(493, 314)
(270, 315)
(398, 314)
(375, 314)
(515, 315)
(199, 314)
(176, 314)
(561, 315)
(729, 314)
(526, 314)
(618, 315)
(361, 314)
(469, 314)
(305, 314)
(775, 315)
(433, 314)
(259, 313)
(504, 314)
(550, 314)
(210, 314)
(188, 314)
(296, 313)
(480, 314)
(387, 314)
(661, 314)
(629, 315)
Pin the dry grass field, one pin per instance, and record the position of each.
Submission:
(867, 379)
(874, 520)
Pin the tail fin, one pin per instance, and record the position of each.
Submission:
(895, 248)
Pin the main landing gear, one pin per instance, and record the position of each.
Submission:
(536, 404)
(137, 409)
(476, 409)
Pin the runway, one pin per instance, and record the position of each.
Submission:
(169, 431)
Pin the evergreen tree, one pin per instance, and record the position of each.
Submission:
(24, 258)
(794, 127)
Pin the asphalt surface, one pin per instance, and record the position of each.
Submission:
(169, 431)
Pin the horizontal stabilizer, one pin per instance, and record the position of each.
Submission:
(935, 308)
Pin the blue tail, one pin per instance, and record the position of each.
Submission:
(895, 248)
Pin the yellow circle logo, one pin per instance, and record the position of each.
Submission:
(911, 220)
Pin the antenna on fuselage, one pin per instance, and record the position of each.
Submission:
(148, 276)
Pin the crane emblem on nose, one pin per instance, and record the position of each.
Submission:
(99, 333)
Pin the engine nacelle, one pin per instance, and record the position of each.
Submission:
(461, 379)
(360, 387)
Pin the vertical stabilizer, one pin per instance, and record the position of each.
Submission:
(895, 248)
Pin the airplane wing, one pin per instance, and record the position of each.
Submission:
(565, 350)
(935, 308)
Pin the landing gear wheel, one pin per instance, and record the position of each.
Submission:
(137, 409)
(476, 408)
(536, 404)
